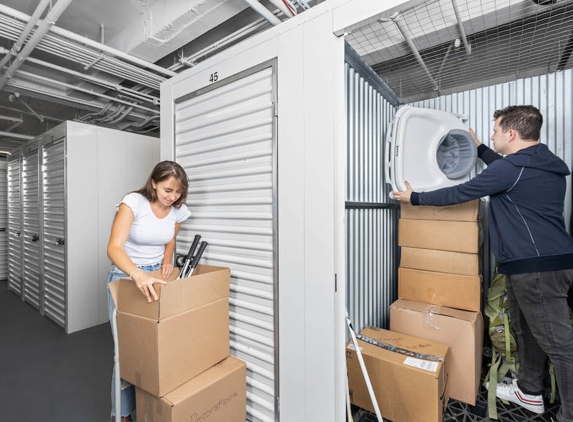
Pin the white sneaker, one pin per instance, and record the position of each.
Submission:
(512, 393)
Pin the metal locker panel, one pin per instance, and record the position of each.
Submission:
(31, 228)
(225, 140)
(53, 222)
(15, 239)
(3, 220)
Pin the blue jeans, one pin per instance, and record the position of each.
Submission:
(127, 393)
(540, 317)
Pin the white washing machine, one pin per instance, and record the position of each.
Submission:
(430, 149)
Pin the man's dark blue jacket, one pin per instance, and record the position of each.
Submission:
(526, 224)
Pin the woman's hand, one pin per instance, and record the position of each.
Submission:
(403, 196)
(166, 270)
(145, 282)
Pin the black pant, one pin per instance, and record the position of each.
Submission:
(540, 317)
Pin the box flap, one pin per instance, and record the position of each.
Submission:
(411, 305)
(129, 299)
(207, 284)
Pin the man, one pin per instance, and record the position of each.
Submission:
(532, 247)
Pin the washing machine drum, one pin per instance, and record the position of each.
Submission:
(430, 149)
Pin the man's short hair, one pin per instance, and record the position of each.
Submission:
(525, 120)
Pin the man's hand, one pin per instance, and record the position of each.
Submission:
(474, 136)
(403, 196)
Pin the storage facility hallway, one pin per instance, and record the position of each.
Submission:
(48, 375)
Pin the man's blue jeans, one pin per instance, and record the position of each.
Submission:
(539, 315)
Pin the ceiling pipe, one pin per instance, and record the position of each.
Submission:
(263, 11)
(88, 42)
(404, 31)
(16, 136)
(27, 29)
(467, 45)
(43, 28)
(87, 91)
(283, 8)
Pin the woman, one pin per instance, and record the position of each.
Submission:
(143, 240)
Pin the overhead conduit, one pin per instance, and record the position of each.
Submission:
(43, 28)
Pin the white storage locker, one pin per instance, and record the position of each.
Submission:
(3, 220)
(14, 231)
(81, 174)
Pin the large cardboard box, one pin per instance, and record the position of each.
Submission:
(440, 261)
(164, 344)
(466, 211)
(461, 330)
(407, 387)
(216, 395)
(452, 290)
(455, 236)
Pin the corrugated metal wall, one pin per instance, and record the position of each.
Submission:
(371, 217)
(551, 93)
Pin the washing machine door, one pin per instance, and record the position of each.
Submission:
(430, 149)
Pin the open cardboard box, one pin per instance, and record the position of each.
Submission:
(217, 395)
(407, 389)
(165, 343)
(461, 330)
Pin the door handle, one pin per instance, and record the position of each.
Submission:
(35, 238)
(60, 242)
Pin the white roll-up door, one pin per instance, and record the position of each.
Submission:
(31, 227)
(53, 225)
(14, 227)
(226, 141)
(3, 220)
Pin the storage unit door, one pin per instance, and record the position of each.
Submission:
(14, 228)
(53, 226)
(225, 139)
(31, 229)
(3, 221)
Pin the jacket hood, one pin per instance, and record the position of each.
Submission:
(539, 157)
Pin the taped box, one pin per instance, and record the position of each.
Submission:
(165, 343)
(408, 375)
(454, 236)
(461, 330)
(466, 211)
(216, 395)
(452, 290)
(440, 261)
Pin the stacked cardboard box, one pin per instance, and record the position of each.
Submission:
(408, 375)
(440, 287)
(176, 350)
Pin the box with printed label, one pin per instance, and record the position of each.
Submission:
(408, 375)
(165, 343)
(216, 395)
(452, 290)
(461, 330)
(466, 211)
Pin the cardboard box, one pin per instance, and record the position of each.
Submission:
(462, 331)
(455, 236)
(164, 344)
(217, 395)
(440, 261)
(466, 211)
(452, 290)
(407, 388)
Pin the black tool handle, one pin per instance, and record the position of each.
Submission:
(196, 258)
(189, 256)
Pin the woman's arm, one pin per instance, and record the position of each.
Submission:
(167, 264)
(119, 233)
